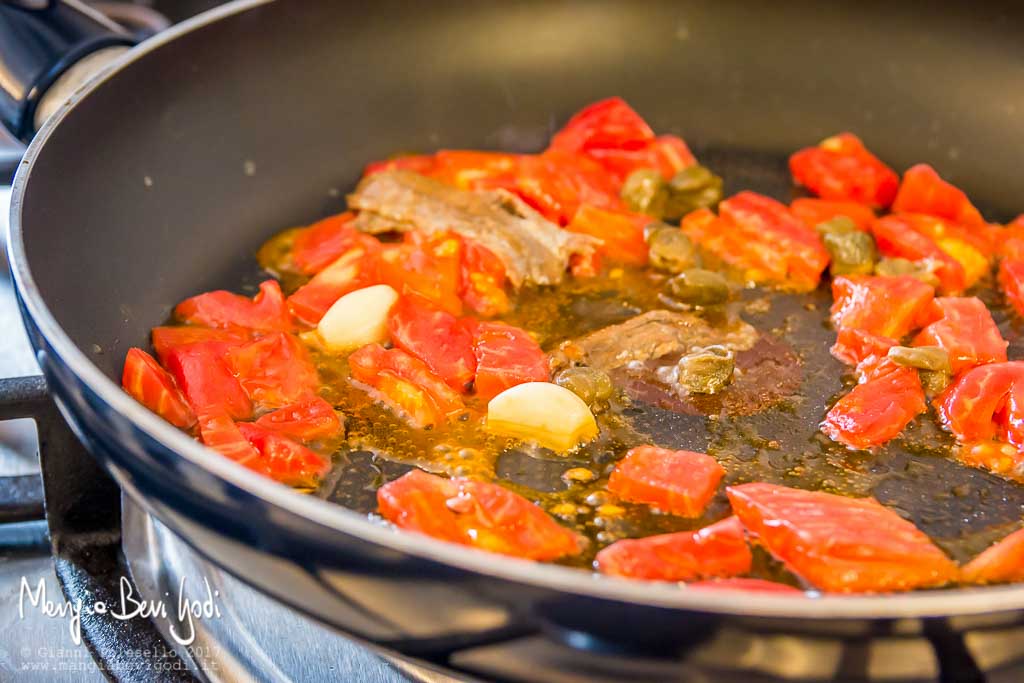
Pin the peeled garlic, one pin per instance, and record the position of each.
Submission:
(542, 413)
(357, 319)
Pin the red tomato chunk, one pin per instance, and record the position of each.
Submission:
(282, 459)
(310, 419)
(854, 346)
(841, 168)
(815, 211)
(1011, 279)
(319, 245)
(435, 337)
(165, 339)
(878, 409)
(719, 550)
(880, 305)
(202, 375)
(153, 387)
(482, 285)
(479, 514)
(923, 191)
(621, 232)
(999, 563)
(960, 254)
(839, 544)
(427, 266)
(218, 431)
(986, 402)
(966, 331)
(274, 370)
(266, 312)
(354, 269)
(609, 123)
(679, 482)
(506, 356)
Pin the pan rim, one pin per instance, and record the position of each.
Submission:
(738, 603)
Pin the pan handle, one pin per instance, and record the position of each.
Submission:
(21, 497)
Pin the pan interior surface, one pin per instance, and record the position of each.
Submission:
(178, 185)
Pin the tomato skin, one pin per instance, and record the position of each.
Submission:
(320, 244)
(841, 168)
(854, 346)
(962, 254)
(985, 402)
(274, 370)
(167, 338)
(1011, 280)
(881, 305)
(467, 169)
(428, 266)
(153, 387)
(482, 283)
(435, 337)
(556, 184)
(839, 544)
(506, 356)
(667, 154)
(878, 409)
(622, 233)
(475, 513)
(923, 191)
(418, 163)
(744, 584)
(405, 383)
(354, 269)
(266, 312)
(607, 123)
(679, 482)
(218, 431)
(203, 376)
(309, 419)
(815, 211)
(1002, 562)
(716, 551)
(966, 330)
(282, 459)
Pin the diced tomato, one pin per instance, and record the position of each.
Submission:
(435, 337)
(475, 513)
(153, 387)
(274, 370)
(354, 269)
(719, 550)
(999, 563)
(679, 482)
(745, 584)
(881, 305)
(310, 419)
(762, 238)
(840, 544)
(430, 266)
(266, 312)
(878, 409)
(923, 191)
(505, 357)
(585, 265)
(1011, 280)
(557, 184)
(667, 154)
(418, 163)
(621, 232)
(815, 211)
(405, 384)
(961, 254)
(1009, 241)
(608, 123)
(469, 170)
(986, 402)
(218, 431)
(997, 457)
(201, 373)
(482, 285)
(167, 338)
(841, 168)
(282, 459)
(966, 330)
(319, 245)
(853, 346)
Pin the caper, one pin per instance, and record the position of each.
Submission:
(852, 252)
(923, 270)
(671, 250)
(699, 287)
(707, 370)
(694, 187)
(645, 191)
(933, 358)
(934, 381)
(589, 384)
(837, 224)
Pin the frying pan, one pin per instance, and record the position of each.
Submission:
(162, 177)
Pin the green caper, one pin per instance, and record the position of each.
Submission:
(837, 224)
(692, 188)
(707, 370)
(933, 358)
(671, 250)
(698, 287)
(934, 381)
(645, 191)
(923, 270)
(853, 253)
(589, 384)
